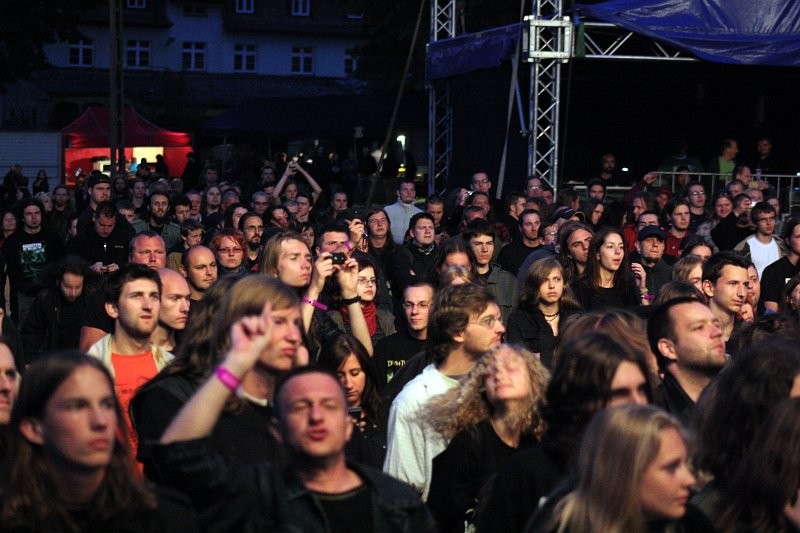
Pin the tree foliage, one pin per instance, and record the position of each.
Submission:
(29, 25)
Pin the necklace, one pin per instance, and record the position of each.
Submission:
(551, 318)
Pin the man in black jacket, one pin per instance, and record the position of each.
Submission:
(54, 321)
(318, 491)
(105, 244)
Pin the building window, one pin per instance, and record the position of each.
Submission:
(350, 64)
(245, 6)
(301, 8)
(137, 54)
(302, 60)
(194, 56)
(194, 10)
(81, 53)
(136, 4)
(244, 58)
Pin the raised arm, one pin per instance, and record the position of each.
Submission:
(249, 336)
(322, 270)
(315, 188)
(276, 192)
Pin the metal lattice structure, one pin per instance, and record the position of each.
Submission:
(440, 113)
(548, 41)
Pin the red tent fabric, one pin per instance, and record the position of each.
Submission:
(91, 130)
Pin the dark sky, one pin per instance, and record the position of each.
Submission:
(634, 109)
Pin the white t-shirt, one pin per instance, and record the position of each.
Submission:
(762, 255)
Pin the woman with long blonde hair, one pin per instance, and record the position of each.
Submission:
(633, 476)
(487, 418)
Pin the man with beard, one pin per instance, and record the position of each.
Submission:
(687, 340)
(252, 227)
(199, 267)
(174, 312)
(133, 300)
(158, 220)
(58, 218)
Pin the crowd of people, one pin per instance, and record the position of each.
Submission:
(264, 355)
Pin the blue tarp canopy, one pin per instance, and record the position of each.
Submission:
(465, 53)
(743, 32)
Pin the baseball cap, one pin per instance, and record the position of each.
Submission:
(650, 231)
(94, 179)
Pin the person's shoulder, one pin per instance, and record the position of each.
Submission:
(413, 391)
(386, 486)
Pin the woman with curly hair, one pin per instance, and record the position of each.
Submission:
(347, 358)
(593, 371)
(69, 467)
(487, 418)
(544, 302)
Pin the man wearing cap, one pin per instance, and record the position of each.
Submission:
(99, 186)
(649, 253)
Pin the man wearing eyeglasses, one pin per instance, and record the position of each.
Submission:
(480, 182)
(696, 194)
(464, 323)
(392, 352)
(534, 188)
(763, 247)
(252, 227)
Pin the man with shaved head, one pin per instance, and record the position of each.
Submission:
(199, 267)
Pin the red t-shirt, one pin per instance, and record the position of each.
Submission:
(132, 371)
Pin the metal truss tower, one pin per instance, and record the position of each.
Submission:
(547, 43)
(440, 113)
(548, 40)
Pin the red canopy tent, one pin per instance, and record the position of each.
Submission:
(85, 140)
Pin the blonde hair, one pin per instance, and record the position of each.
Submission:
(272, 252)
(618, 446)
(466, 405)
